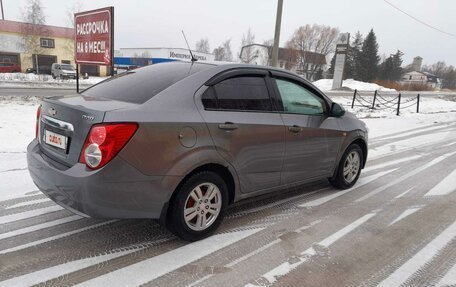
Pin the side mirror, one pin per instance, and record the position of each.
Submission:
(337, 110)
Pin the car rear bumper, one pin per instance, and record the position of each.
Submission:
(117, 190)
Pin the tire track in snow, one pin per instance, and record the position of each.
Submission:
(362, 182)
(406, 176)
(150, 269)
(403, 273)
(28, 214)
(269, 278)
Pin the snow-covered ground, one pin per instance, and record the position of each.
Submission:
(21, 80)
(326, 85)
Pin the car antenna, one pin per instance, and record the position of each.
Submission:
(190, 50)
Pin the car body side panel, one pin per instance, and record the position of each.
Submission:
(307, 152)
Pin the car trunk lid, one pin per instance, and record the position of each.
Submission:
(65, 122)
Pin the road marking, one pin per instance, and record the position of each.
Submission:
(403, 273)
(407, 144)
(39, 226)
(361, 182)
(446, 186)
(431, 128)
(200, 280)
(44, 275)
(150, 269)
(27, 203)
(34, 243)
(405, 176)
(388, 163)
(272, 276)
(255, 252)
(449, 279)
(404, 193)
(27, 214)
(406, 213)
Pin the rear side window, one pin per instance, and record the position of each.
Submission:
(140, 85)
(240, 94)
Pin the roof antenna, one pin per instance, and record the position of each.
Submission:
(191, 54)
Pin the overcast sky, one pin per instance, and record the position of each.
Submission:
(153, 23)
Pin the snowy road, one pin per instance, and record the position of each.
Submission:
(396, 227)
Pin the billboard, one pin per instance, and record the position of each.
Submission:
(94, 37)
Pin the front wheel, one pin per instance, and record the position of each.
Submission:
(198, 207)
(349, 168)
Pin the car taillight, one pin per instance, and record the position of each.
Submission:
(104, 142)
(37, 127)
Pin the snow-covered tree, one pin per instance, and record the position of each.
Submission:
(202, 46)
(368, 59)
(223, 52)
(247, 54)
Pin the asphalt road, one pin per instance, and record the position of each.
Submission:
(20, 92)
(396, 227)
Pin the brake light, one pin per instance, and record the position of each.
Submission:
(37, 127)
(104, 142)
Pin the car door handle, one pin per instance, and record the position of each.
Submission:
(228, 126)
(295, 129)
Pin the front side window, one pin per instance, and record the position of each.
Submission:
(298, 100)
(240, 93)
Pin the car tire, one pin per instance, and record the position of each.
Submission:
(53, 76)
(203, 197)
(349, 168)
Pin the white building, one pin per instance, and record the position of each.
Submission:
(421, 78)
(148, 56)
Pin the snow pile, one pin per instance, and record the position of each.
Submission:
(22, 79)
(326, 85)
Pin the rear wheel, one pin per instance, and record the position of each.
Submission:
(199, 206)
(349, 168)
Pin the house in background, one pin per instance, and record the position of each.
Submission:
(54, 45)
(308, 65)
(421, 78)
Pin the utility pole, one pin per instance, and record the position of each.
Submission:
(275, 49)
(1, 4)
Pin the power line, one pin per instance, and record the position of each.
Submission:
(419, 21)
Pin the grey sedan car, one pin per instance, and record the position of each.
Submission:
(181, 141)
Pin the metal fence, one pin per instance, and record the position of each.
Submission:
(384, 102)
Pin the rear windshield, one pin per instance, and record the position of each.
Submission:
(140, 85)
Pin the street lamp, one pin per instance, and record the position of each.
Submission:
(1, 4)
(275, 49)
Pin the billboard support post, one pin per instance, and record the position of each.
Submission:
(77, 78)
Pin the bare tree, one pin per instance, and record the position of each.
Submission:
(202, 46)
(33, 15)
(248, 52)
(71, 10)
(223, 52)
(75, 8)
(313, 44)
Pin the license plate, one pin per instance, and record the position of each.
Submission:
(56, 140)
